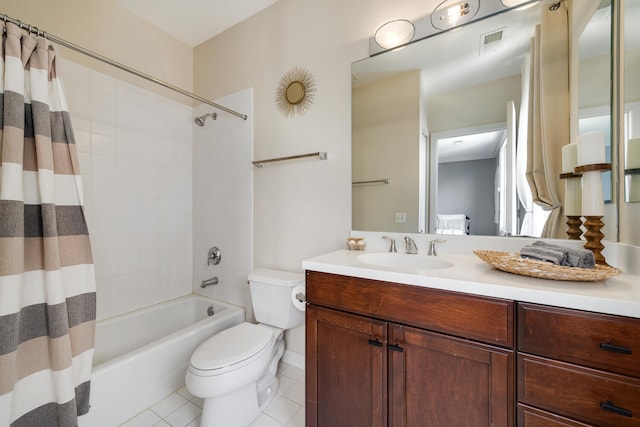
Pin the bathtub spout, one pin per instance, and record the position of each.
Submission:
(209, 282)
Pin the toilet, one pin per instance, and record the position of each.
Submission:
(234, 371)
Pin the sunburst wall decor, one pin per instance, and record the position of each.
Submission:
(295, 92)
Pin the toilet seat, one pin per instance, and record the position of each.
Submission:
(232, 348)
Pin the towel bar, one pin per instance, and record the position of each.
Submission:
(260, 163)
(375, 181)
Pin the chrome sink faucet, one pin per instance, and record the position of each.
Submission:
(432, 247)
(410, 245)
(393, 243)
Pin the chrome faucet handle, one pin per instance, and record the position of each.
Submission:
(432, 246)
(214, 256)
(410, 245)
(393, 243)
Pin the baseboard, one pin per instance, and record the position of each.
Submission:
(293, 359)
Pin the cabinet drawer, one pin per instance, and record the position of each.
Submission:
(533, 417)
(489, 320)
(585, 394)
(596, 340)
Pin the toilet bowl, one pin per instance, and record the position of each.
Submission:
(234, 371)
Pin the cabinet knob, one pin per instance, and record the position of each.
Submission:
(375, 343)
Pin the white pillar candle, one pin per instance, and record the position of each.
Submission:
(569, 157)
(573, 197)
(633, 188)
(591, 148)
(633, 153)
(592, 196)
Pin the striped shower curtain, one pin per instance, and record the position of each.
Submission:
(47, 279)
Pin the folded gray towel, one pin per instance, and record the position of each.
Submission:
(574, 257)
(544, 254)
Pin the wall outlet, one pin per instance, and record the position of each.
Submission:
(401, 217)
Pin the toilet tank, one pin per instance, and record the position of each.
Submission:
(273, 297)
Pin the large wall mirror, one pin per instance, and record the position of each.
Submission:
(437, 125)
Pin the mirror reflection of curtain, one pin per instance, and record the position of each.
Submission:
(548, 118)
(533, 217)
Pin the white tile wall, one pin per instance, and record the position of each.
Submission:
(223, 199)
(135, 152)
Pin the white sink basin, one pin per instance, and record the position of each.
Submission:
(404, 261)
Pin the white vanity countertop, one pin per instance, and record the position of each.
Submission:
(617, 295)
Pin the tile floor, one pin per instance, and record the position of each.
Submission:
(181, 409)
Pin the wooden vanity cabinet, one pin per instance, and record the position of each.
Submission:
(579, 365)
(384, 354)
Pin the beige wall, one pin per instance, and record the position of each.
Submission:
(109, 30)
(301, 208)
(385, 144)
(594, 82)
(474, 106)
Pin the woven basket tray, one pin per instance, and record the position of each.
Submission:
(512, 263)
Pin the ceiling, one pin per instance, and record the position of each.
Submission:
(477, 146)
(194, 21)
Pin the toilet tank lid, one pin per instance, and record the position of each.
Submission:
(276, 277)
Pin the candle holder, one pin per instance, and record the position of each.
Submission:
(598, 167)
(593, 223)
(594, 237)
(574, 222)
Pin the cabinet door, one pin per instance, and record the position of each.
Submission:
(436, 380)
(346, 370)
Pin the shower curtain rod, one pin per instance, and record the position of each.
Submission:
(62, 42)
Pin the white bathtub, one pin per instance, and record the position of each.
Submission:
(142, 356)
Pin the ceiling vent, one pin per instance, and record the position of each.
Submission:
(490, 42)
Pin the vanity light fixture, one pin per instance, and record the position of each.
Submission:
(515, 3)
(394, 33)
(451, 13)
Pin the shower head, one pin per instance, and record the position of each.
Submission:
(200, 120)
